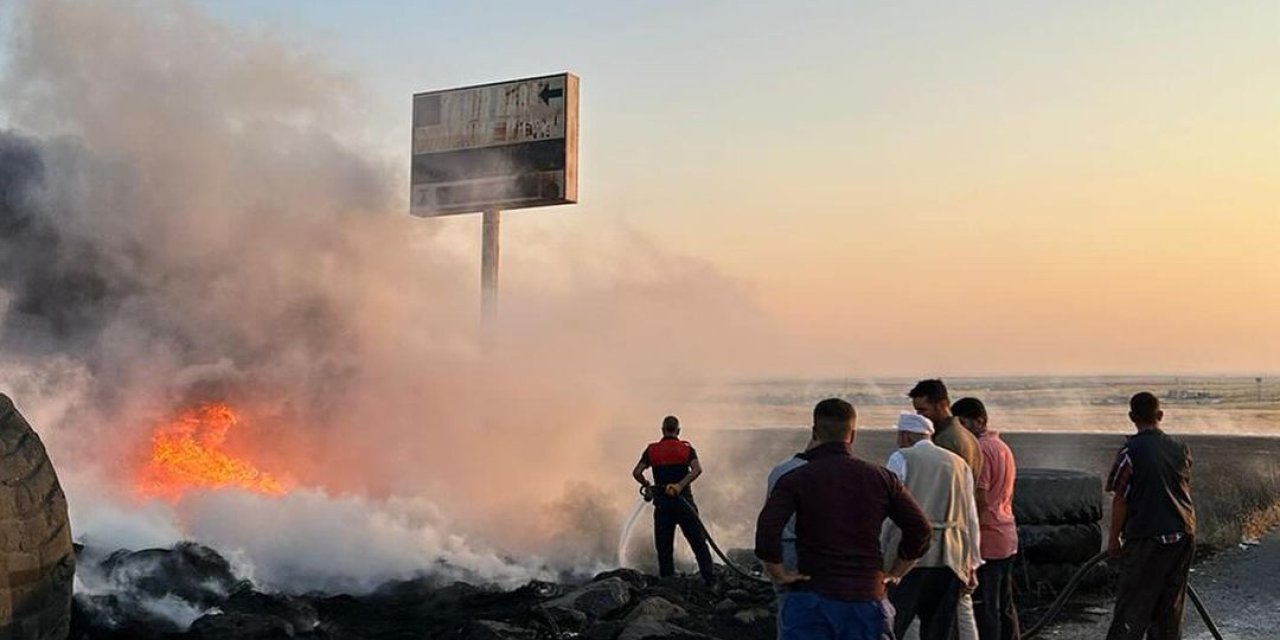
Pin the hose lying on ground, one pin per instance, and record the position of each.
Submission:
(1056, 607)
(1063, 595)
(1208, 622)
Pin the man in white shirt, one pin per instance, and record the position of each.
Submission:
(943, 485)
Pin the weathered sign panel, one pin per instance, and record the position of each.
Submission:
(506, 145)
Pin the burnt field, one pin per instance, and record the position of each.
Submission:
(1216, 405)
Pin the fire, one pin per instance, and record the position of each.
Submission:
(186, 453)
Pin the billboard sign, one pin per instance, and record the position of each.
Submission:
(506, 145)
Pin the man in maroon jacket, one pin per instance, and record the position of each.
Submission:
(839, 503)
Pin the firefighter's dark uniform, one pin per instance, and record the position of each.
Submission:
(670, 458)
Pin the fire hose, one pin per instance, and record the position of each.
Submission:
(1054, 608)
(715, 547)
(647, 493)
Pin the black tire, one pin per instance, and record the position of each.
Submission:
(1059, 543)
(744, 558)
(1057, 496)
(37, 561)
(1039, 578)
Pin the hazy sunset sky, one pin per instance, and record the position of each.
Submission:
(997, 187)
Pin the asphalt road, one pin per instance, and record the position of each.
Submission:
(1240, 588)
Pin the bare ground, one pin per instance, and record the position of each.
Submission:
(1240, 588)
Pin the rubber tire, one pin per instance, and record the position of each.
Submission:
(37, 561)
(1059, 543)
(1036, 578)
(1057, 496)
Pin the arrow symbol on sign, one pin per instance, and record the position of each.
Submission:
(548, 93)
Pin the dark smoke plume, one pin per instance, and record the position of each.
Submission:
(190, 213)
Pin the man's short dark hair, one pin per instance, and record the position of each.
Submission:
(670, 423)
(834, 409)
(932, 390)
(832, 420)
(969, 409)
(1144, 406)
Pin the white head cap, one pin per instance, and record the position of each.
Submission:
(914, 423)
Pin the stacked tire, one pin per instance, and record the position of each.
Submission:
(1059, 515)
(37, 561)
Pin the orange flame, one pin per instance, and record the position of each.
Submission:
(187, 454)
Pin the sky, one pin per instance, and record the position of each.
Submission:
(965, 188)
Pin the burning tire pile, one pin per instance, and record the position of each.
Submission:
(149, 587)
(1059, 515)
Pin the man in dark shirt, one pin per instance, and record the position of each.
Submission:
(839, 503)
(675, 466)
(1153, 525)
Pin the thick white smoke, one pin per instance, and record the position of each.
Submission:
(191, 213)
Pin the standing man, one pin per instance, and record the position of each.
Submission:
(940, 481)
(839, 502)
(930, 399)
(675, 466)
(1153, 526)
(789, 560)
(993, 604)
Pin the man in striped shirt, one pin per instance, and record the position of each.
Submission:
(1153, 525)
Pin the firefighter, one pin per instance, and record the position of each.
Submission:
(675, 466)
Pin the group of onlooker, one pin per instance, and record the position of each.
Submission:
(859, 551)
(934, 535)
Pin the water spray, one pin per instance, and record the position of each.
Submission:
(626, 531)
(646, 496)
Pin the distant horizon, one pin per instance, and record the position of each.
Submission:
(1274, 376)
(1091, 404)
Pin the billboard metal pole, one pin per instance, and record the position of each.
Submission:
(504, 145)
(489, 264)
